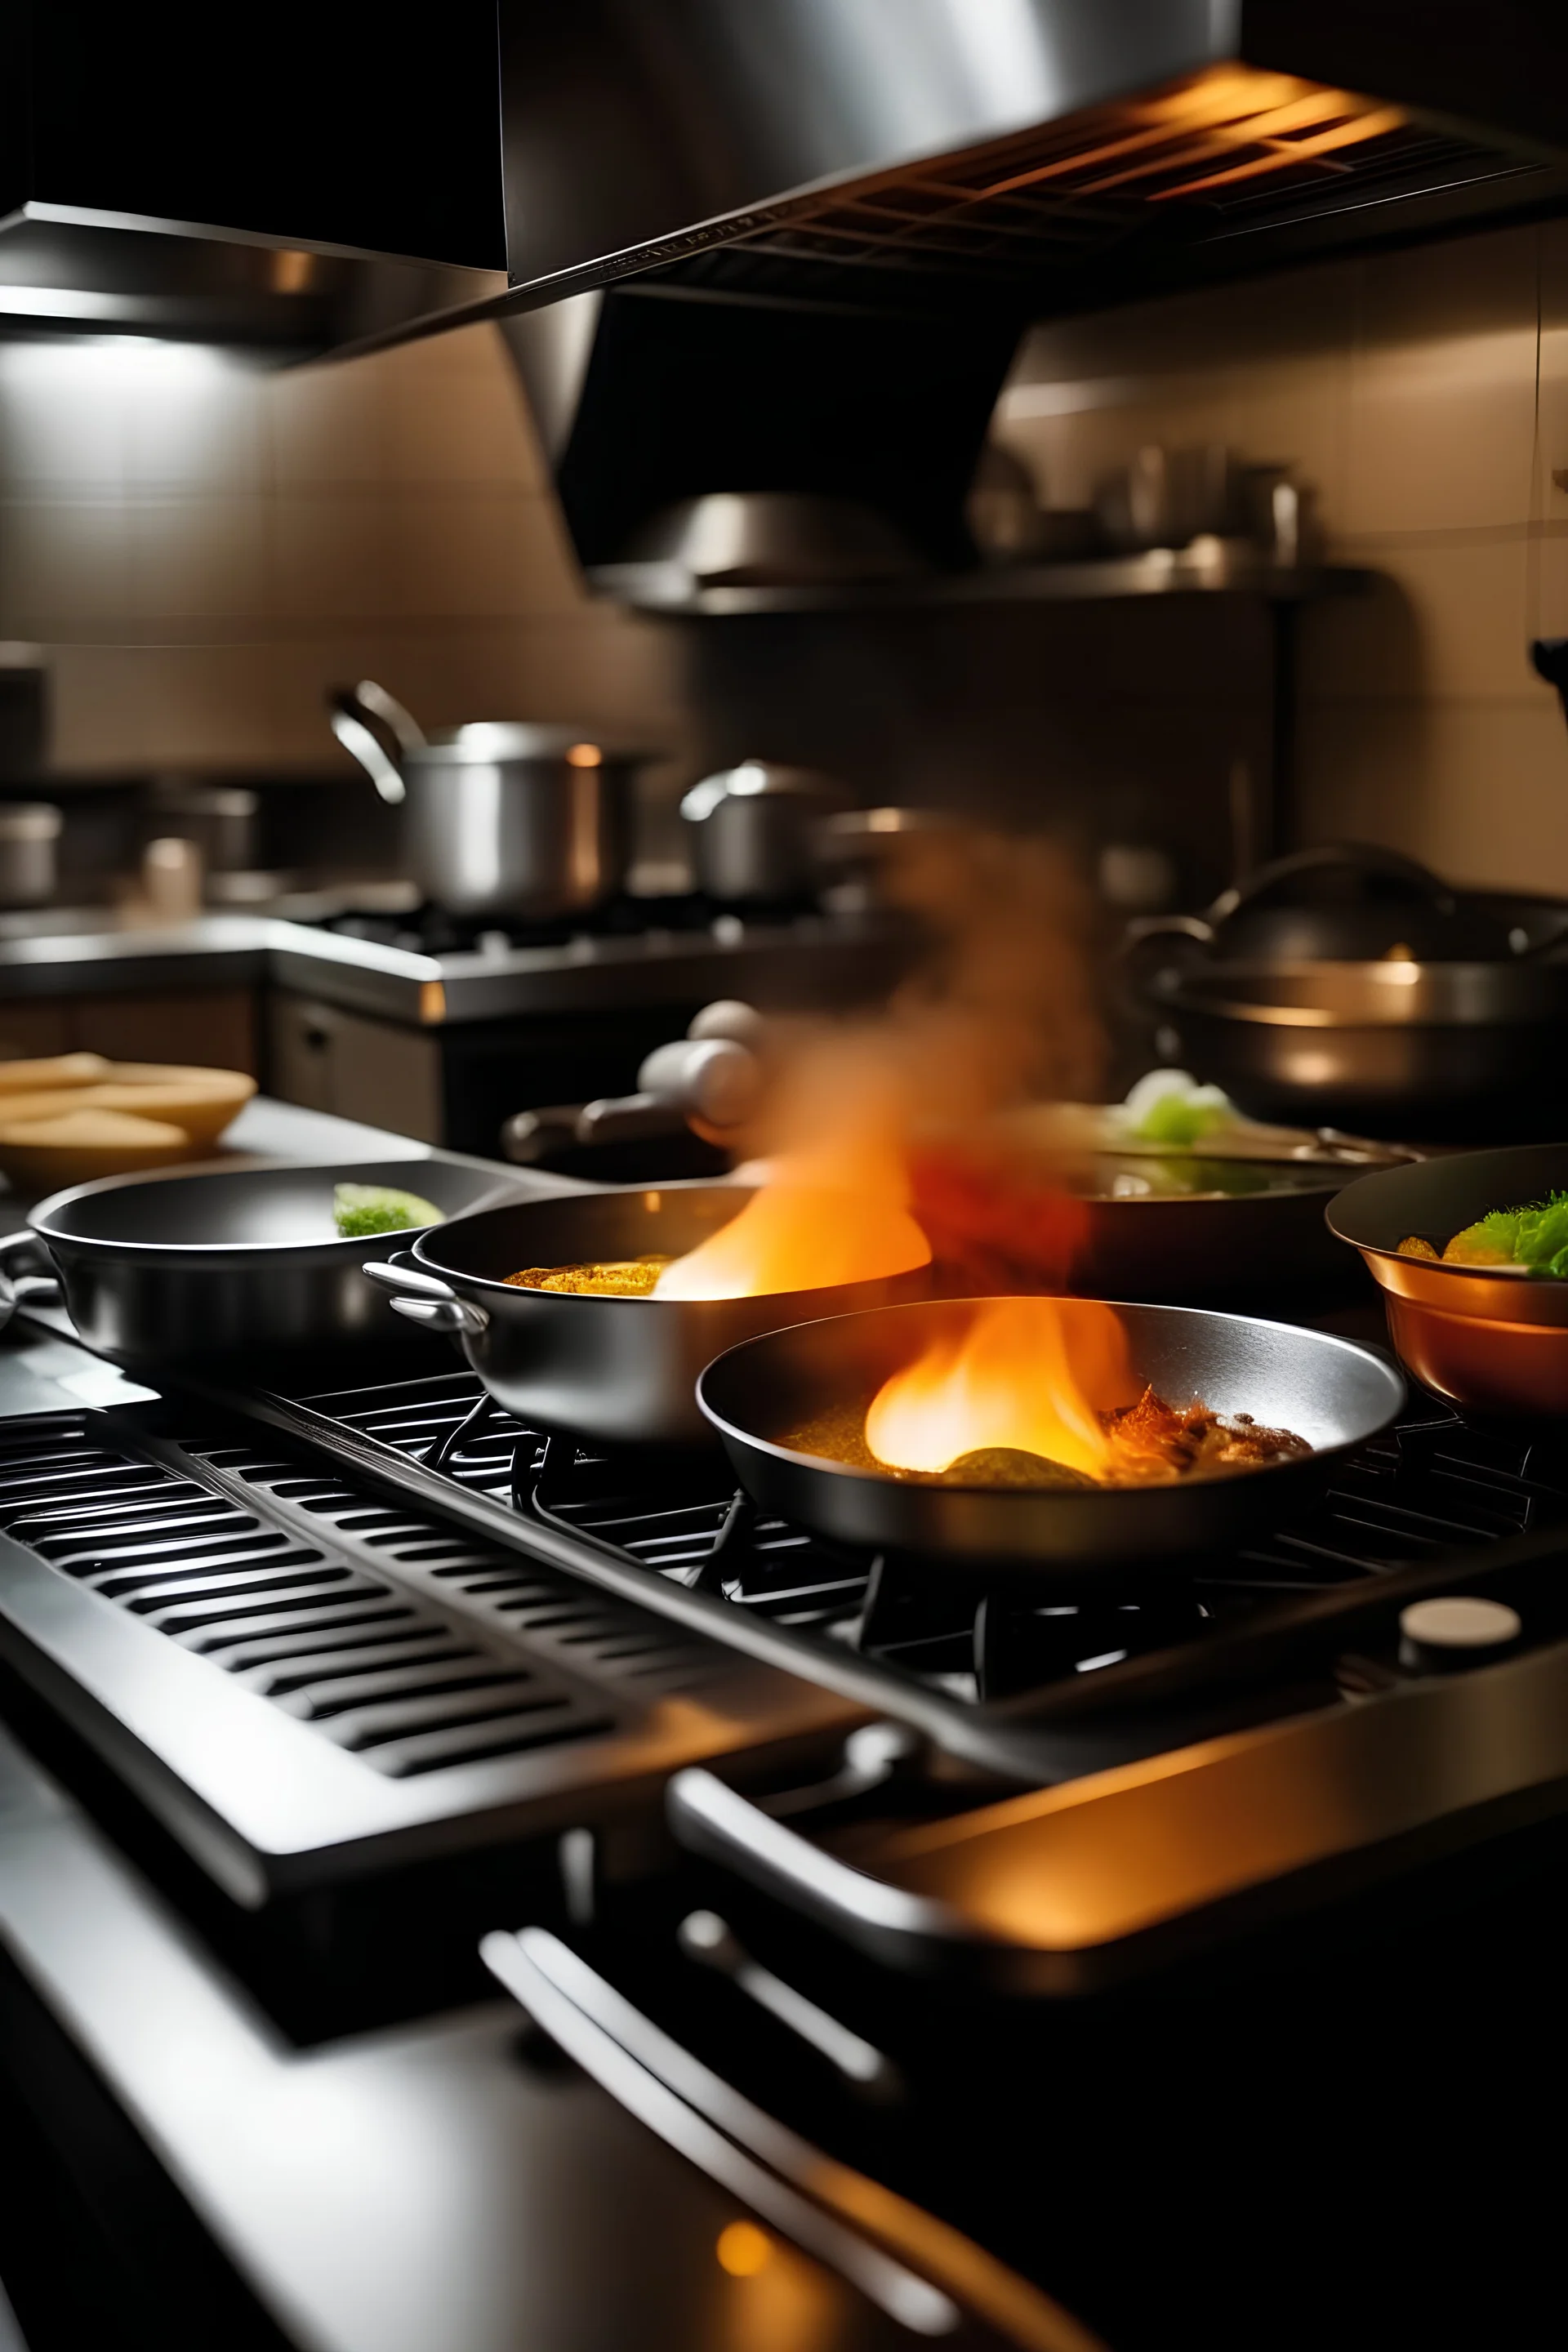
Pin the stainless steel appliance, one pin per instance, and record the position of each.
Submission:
(352, 1675)
(510, 819)
(789, 244)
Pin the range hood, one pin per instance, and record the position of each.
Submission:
(284, 179)
(788, 246)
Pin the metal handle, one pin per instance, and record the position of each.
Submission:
(925, 2274)
(25, 1266)
(357, 740)
(373, 700)
(425, 1298)
(1332, 857)
(713, 1943)
(709, 1817)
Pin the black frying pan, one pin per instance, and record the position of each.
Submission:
(1329, 1390)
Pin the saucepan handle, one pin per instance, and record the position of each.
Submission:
(423, 1298)
(25, 1264)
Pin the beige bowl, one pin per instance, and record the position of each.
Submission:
(75, 1145)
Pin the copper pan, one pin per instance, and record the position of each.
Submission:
(1493, 1342)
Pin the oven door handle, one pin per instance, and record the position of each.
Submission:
(425, 1299)
(709, 1817)
(28, 1274)
(923, 2274)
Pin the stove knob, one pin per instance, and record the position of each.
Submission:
(1445, 1636)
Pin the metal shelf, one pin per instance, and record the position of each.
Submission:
(1216, 568)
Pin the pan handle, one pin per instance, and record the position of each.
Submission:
(25, 1264)
(425, 1299)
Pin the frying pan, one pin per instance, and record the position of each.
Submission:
(1329, 1390)
(623, 1370)
(211, 1261)
(1495, 1342)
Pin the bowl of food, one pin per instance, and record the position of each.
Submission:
(74, 1118)
(1471, 1254)
(1060, 1435)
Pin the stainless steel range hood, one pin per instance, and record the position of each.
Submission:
(285, 180)
(806, 234)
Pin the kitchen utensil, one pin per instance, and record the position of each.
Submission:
(618, 1368)
(218, 1262)
(753, 830)
(1492, 1342)
(1394, 1007)
(1330, 1392)
(507, 819)
(1166, 497)
(1343, 902)
(29, 838)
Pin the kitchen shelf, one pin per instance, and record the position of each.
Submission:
(1215, 569)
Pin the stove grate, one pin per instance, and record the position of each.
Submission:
(1433, 1489)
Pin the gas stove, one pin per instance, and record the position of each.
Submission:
(368, 1681)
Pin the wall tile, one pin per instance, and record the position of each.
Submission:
(327, 424)
(198, 560)
(63, 564)
(332, 555)
(1442, 432)
(1446, 620)
(490, 551)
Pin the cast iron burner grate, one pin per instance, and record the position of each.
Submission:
(1433, 1491)
(432, 930)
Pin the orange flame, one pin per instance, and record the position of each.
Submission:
(834, 1215)
(1033, 1374)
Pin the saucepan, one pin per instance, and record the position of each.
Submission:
(621, 1369)
(221, 1262)
(1328, 1390)
(1495, 1342)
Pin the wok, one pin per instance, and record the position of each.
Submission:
(213, 1262)
(621, 1369)
(1329, 1390)
(1494, 1342)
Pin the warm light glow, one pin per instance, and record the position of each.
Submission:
(1031, 1374)
(585, 755)
(743, 2249)
(796, 1234)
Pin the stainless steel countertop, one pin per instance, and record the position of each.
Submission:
(585, 975)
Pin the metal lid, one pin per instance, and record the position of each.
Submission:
(29, 821)
(482, 742)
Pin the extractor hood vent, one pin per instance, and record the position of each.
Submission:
(1032, 154)
(287, 179)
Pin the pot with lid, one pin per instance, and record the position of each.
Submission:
(754, 830)
(509, 818)
(1347, 986)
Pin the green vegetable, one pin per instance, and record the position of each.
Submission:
(1182, 1119)
(359, 1210)
(1536, 1236)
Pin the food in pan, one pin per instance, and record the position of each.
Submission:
(1149, 1444)
(1530, 1240)
(1034, 1393)
(624, 1277)
(361, 1210)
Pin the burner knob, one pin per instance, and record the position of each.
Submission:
(1445, 1636)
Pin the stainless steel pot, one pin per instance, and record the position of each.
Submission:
(623, 1370)
(754, 830)
(502, 819)
(220, 1262)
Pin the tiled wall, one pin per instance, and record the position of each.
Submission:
(204, 548)
(1406, 386)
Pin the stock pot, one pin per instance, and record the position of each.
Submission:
(498, 819)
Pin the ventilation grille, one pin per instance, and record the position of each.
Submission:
(304, 1623)
(1233, 150)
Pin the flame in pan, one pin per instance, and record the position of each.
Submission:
(817, 1223)
(1033, 1375)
